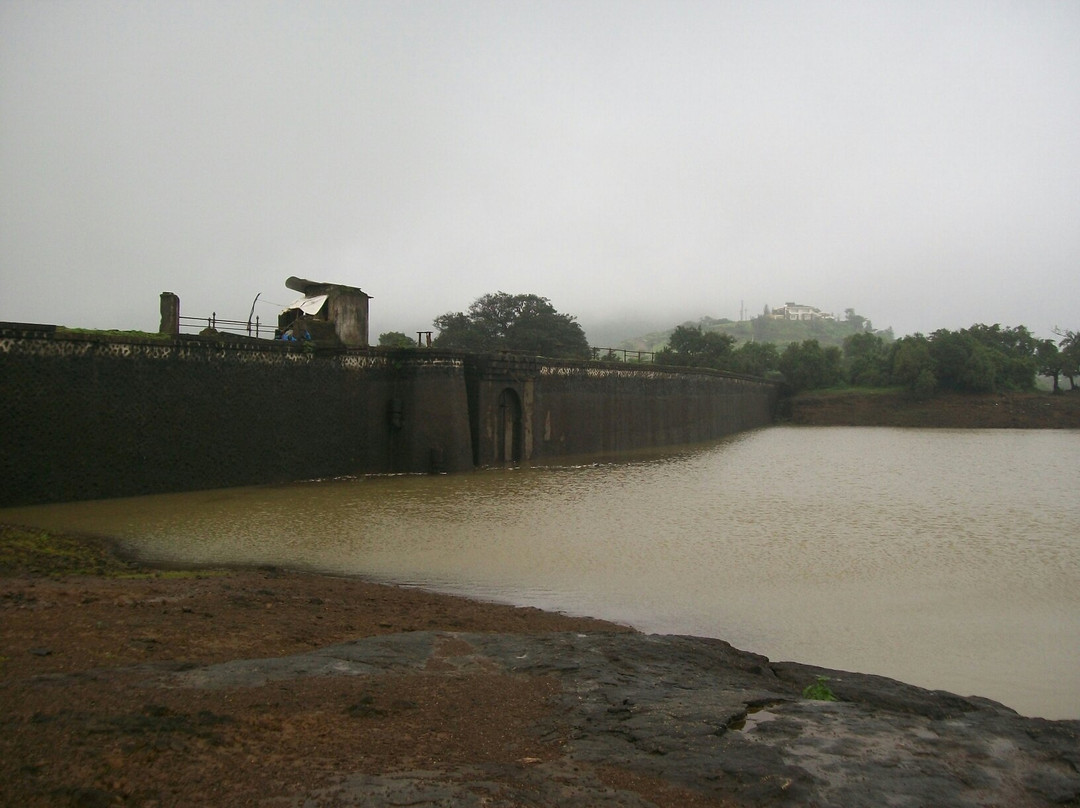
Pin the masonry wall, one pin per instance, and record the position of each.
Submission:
(572, 408)
(582, 410)
(89, 416)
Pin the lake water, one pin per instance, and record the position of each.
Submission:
(948, 559)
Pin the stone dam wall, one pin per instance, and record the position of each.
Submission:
(92, 415)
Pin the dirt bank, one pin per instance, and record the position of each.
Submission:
(137, 687)
(86, 721)
(996, 411)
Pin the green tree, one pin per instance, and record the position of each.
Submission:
(1069, 347)
(690, 346)
(808, 366)
(526, 324)
(755, 358)
(985, 358)
(912, 365)
(396, 339)
(1013, 351)
(866, 360)
(1050, 361)
(961, 362)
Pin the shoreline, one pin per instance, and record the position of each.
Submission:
(137, 685)
(944, 410)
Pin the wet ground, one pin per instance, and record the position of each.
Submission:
(263, 687)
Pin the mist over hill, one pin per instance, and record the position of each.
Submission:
(763, 328)
(614, 332)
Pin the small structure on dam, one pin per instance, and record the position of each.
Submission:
(326, 311)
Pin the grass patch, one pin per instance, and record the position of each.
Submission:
(819, 691)
(29, 551)
(840, 392)
(34, 552)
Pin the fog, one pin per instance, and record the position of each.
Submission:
(637, 163)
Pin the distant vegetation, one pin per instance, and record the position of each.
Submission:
(979, 359)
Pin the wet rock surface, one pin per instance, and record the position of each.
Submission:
(270, 688)
(695, 715)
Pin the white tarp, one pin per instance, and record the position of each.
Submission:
(308, 305)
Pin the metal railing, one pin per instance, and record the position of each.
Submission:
(622, 355)
(251, 328)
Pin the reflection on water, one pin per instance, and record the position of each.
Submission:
(949, 559)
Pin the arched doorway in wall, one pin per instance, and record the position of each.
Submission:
(509, 435)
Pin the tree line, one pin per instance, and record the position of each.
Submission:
(979, 359)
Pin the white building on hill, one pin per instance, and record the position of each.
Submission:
(797, 311)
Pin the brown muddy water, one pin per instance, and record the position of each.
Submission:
(945, 558)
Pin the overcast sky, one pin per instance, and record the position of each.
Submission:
(916, 161)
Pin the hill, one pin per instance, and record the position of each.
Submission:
(763, 329)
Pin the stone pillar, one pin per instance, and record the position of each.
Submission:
(170, 314)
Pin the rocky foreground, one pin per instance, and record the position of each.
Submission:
(268, 688)
(700, 716)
